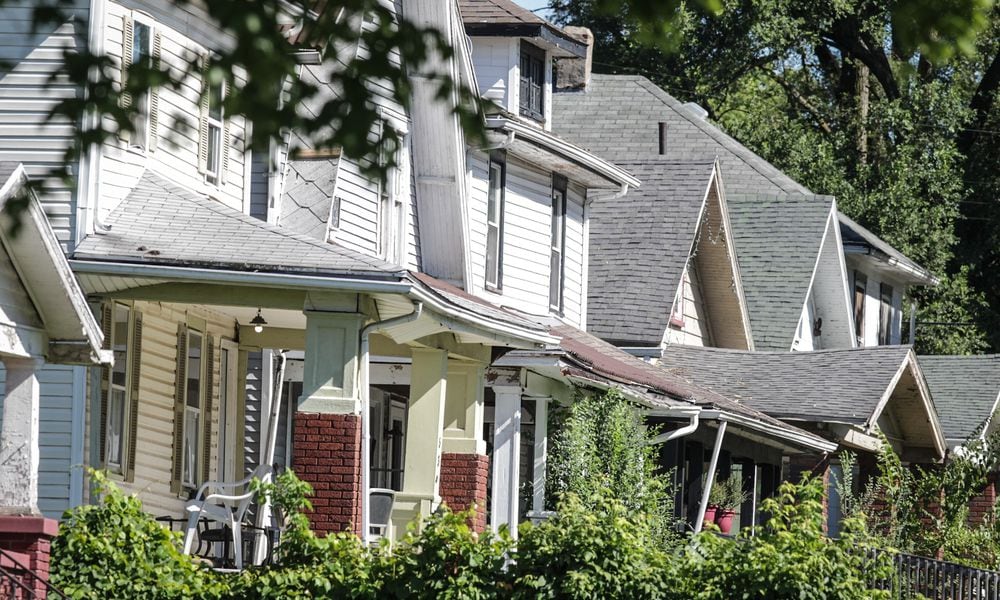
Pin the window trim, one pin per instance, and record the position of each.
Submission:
(122, 466)
(559, 185)
(859, 311)
(533, 53)
(885, 314)
(143, 103)
(213, 173)
(199, 429)
(498, 159)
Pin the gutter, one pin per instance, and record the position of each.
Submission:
(688, 429)
(566, 150)
(255, 278)
(366, 436)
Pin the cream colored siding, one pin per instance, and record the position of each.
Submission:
(359, 198)
(176, 152)
(478, 197)
(156, 402)
(696, 330)
(573, 285)
(26, 98)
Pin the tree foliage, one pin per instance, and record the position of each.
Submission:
(851, 99)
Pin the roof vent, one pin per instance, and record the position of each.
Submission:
(697, 110)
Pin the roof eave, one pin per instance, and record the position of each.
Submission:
(799, 438)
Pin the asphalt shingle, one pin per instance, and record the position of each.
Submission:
(500, 12)
(639, 245)
(965, 391)
(777, 240)
(308, 196)
(834, 386)
(162, 223)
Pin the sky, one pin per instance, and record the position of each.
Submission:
(534, 4)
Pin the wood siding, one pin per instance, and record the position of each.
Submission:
(26, 98)
(697, 330)
(526, 239)
(183, 30)
(156, 402)
(493, 60)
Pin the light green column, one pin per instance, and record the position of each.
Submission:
(330, 379)
(424, 428)
(464, 407)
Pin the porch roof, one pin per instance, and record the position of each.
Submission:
(639, 245)
(161, 223)
(966, 391)
(40, 278)
(585, 356)
(849, 386)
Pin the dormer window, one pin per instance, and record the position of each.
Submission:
(532, 97)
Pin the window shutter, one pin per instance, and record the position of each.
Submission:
(203, 121)
(206, 415)
(127, 45)
(180, 383)
(135, 349)
(154, 92)
(106, 316)
(226, 139)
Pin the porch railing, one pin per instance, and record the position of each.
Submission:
(917, 576)
(18, 582)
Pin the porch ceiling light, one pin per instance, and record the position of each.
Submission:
(258, 322)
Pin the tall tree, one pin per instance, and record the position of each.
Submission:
(842, 97)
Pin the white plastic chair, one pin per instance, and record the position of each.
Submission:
(228, 509)
(380, 501)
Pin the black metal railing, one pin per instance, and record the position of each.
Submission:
(919, 576)
(17, 581)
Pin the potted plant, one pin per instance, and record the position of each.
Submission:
(729, 495)
(716, 496)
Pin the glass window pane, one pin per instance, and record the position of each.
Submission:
(114, 439)
(119, 343)
(214, 145)
(215, 102)
(194, 371)
(555, 279)
(492, 255)
(191, 427)
(140, 42)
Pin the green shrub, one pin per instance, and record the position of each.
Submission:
(115, 550)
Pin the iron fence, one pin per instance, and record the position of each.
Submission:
(919, 576)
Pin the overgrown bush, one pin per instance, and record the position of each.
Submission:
(600, 445)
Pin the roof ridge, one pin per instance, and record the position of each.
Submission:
(882, 348)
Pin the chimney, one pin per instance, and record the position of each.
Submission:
(573, 74)
(663, 138)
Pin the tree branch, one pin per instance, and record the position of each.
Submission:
(794, 95)
(981, 103)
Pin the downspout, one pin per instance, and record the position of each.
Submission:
(710, 476)
(366, 435)
(688, 429)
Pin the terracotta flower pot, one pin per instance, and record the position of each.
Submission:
(710, 514)
(724, 519)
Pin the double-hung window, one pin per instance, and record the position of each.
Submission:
(532, 84)
(860, 290)
(494, 221)
(885, 314)
(214, 124)
(193, 416)
(116, 429)
(557, 260)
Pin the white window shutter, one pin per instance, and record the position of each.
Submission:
(203, 121)
(127, 45)
(227, 139)
(154, 93)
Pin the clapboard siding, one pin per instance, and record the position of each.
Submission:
(696, 330)
(830, 294)
(491, 60)
(176, 153)
(26, 97)
(156, 393)
(526, 238)
(55, 435)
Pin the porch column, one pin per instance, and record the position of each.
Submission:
(465, 468)
(326, 446)
(541, 454)
(506, 458)
(424, 428)
(19, 451)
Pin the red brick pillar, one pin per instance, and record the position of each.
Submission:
(981, 505)
(326, 452)
(30, 539)
(463, 483)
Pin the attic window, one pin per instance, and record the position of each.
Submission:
(532, 82)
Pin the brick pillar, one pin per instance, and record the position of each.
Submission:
(30, 538)
(326, 452)
(981, 505)
(463, 483)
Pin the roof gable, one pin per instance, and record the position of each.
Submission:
(965, 390)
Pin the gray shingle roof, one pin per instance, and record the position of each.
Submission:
(639, 245)
(7, 168)
(837, 386)
(777, 240)
(617, 118)
(496, 12)
(853, 232)
(308, 195)
(162, 223)
(965, 391)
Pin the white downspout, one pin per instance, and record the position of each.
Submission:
(366, 434)
(678, 433)
(710, 478)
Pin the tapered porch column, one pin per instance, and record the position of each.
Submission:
(326, 449)
(465, 468)
(19, 452)
(506, 458)
(424, 439)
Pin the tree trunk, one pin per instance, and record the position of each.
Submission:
(863, 91)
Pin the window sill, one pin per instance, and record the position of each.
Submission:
(494, 289)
